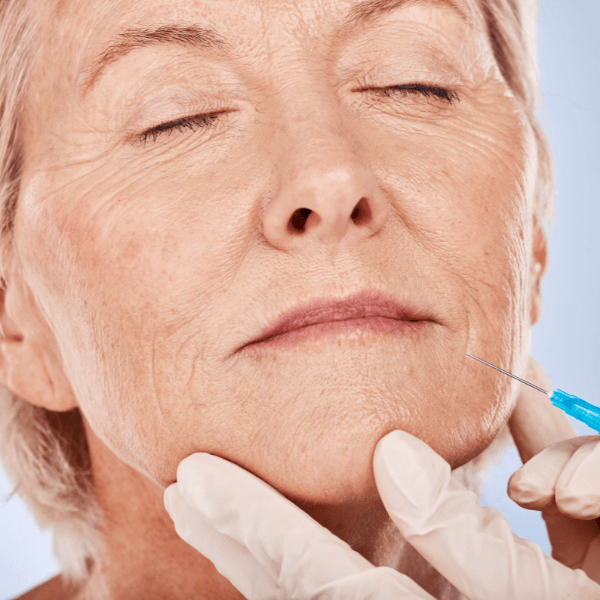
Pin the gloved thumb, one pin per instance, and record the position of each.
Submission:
(472, 546)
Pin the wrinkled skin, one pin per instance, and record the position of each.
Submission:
(143, 267)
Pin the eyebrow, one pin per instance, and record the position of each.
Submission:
(192, 36)
(368, 10)
(189, 36)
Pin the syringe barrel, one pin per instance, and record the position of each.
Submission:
(578, 408)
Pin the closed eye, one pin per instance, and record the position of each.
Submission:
(204, 121)
(412, 89)
(193, 123)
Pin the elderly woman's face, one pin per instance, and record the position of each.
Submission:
(173, 152)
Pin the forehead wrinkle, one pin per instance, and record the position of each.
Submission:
(191, 35)
(180, 34)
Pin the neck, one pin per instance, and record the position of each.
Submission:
(141, 555)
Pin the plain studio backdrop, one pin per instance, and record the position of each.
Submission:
(567, 340)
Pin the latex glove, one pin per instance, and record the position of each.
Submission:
(267, 547)
(562, 480)
(270, 549)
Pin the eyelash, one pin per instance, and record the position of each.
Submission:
(191, 123)
(427, 91)
(206, 120)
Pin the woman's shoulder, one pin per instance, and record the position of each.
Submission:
(53, 589)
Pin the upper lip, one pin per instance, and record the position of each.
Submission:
(356, 306)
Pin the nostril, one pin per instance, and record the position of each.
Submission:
(361, 212)
(297, 223)
(298, 220)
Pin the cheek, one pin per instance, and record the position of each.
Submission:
(138, 277)
(119, 278)
(465, 192)
(466, 187)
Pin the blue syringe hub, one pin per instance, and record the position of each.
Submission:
(578, 408)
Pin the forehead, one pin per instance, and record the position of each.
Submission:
(87, 26)
(113, 9)
(75, 35)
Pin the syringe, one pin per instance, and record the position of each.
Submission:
(572, 405)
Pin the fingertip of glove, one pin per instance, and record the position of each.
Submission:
(194, 465)
(411, 479)
(525, 487)
(171, 500)
(399, 449)
(404, 461)
(166, 499)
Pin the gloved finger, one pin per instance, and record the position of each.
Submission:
(533, 485)
(578, 487)
(229, 557)
(300, 555)
(249, 577)
(535, 422)
(570, 538)
(472, 546)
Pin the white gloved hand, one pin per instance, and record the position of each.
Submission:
(267, 547)
(560, 477)
(270, 549)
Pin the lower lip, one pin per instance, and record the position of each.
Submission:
(351, 328)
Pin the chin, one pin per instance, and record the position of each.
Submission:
(339, 469)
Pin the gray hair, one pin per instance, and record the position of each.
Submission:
(45, 453)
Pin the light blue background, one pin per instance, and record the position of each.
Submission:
(567, 340)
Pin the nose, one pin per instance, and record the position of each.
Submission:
(327, 193)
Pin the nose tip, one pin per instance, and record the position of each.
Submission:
(325, 205)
